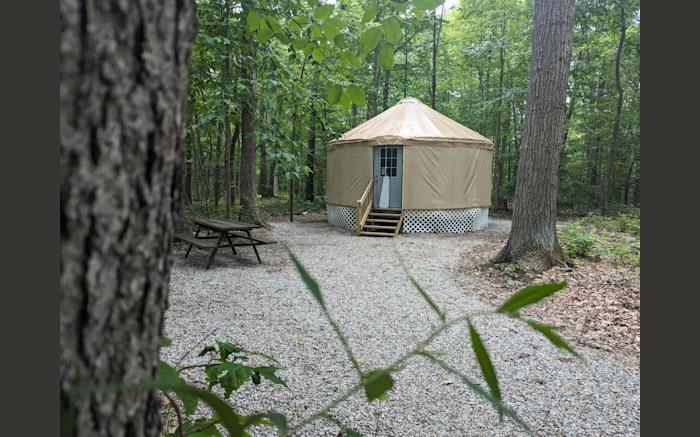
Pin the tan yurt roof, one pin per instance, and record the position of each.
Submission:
(411, 122)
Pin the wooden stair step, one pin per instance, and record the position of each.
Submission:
(377, 234)
(398, 210)
(384, 214)
(383, 220)
(392, 228)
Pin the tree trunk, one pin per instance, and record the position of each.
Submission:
(275, 180)
(385, 91)
(189, 168)
(373, 102)
(533, 236)
(227, 161)
(609, 190)
(499, 146)
(217, 167)
(123, 83)
(248, 195)
(433, 71)
(263, 187)
(310, 156)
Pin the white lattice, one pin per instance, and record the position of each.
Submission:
(342, 216)
(454, 221)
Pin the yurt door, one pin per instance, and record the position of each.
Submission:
(388, 174)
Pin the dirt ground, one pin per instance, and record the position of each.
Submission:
(599, 309)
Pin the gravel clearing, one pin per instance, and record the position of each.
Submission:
(266, 308)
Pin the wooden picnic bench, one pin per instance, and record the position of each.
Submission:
(222, 233)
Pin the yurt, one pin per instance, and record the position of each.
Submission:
(409, 169)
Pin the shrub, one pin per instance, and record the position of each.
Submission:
(576, 243)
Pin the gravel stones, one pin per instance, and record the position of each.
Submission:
(266, 308)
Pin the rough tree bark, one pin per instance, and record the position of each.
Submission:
(123, 83)
(217, 167)
(248, 195)
(533, 236)
(311, 156)
(499, 115)
(609, 189)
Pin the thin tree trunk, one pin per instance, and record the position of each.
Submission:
(310, 156)
(405, 71)
(533, 234)
(227, 162)
(609, 191)
(436, 42)
(217, 167)
(385, 92)
(189, 168)
(123, 84)
(499, 146)
(275, 180)
(225, 82)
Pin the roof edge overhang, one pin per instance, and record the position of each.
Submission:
(421, 141)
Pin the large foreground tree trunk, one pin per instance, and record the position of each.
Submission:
(533, 235)
(123, 74)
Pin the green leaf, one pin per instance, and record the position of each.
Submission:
(376, 383)
(265, 32)
(345, 101)
(253, 20)
(476, 388)
(392, 30)
(370, 13)
(206, 350)
(369, 39)
(226, 348)
(168, 374)
(427, 298)
(529, 295)
(310, 283)
(165, 342)
(334, 94)
(317, 55)
(198, 428)
(553, 337)
(298, 43)
(386, 56)
(339, 41)
(316, 31)
(485, 363)
(268, 372)
(329, 30)
(230, 376)
(324, 11)
(426, 5)
(356, 95)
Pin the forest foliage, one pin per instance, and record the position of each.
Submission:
(311, 70)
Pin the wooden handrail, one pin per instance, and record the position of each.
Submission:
(364, 205)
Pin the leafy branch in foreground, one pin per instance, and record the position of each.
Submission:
(228, 369)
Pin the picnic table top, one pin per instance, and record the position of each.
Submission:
(224, 226)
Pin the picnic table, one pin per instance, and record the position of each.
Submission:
(222, 233)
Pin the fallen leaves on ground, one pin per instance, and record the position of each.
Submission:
(600, 307)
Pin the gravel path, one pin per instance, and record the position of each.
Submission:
(266, 308)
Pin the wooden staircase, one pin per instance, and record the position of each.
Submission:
(382, 222)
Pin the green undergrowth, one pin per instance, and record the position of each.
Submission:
(597, 236)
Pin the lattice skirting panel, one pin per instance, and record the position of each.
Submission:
(342, 216)
(454, 221)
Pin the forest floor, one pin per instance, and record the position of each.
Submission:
(266, 308)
